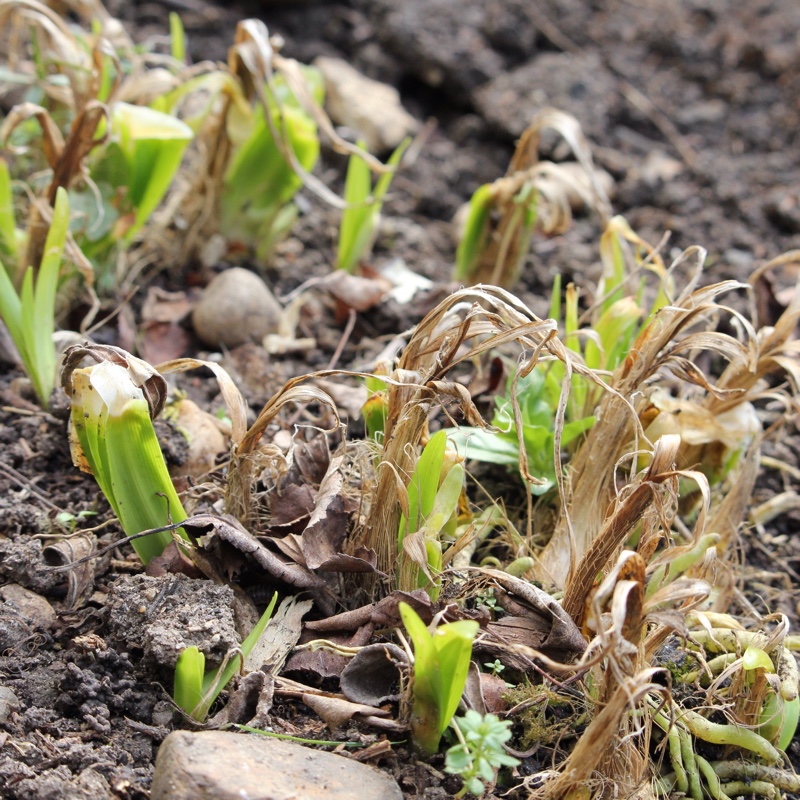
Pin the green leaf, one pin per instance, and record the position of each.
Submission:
(177, 38)
(152, 144)
(441, 663)
(476, 232)
(359, 219)
(756, 658)
(215, 681)
(424, 485)
(188, 685)
(10, 237)
(259, 181)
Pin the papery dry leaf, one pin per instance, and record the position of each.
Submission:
(280, 636)
(626, 514)
(143, 375)
(71, 550)
(336, 711)
(539, 617)
(292, 507)
(234, 402)
(163, 306)
(383, 614)
(229, 530)
(238, 498)
(161, 341)
(313, 459)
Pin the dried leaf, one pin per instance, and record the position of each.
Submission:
(372, 676)
(336, 711)
(281, 635)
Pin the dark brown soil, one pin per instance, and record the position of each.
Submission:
(692, 106)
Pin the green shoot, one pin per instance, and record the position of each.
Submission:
(479, 754)
(360, 219)
(374, 411)
(433, 496)
(29, 316)
(538, 396)
(441, 663)
(11, 238)
(476, 236)
(177, 38)
(195, 690)
(259, 184)
(151, 145)
(116, 442)
(779, 716)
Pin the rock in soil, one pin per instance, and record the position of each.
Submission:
(367, 106)
(215, 765)
(236, 307)
(162, 616)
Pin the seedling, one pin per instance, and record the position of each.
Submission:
(479, 754)
(503, 215)
(115, 441)
(360, 219)
(537, 395)
(259, 183)
(433, 495)
(152, 145)
(195, 690)
(29, 315)
(441, 663)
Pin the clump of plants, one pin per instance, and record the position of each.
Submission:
(633, 418)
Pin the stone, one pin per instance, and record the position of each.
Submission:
(370, 108)
(8, 702)
(236, 307)
(218, 765)
(30, 604)
(162, 616)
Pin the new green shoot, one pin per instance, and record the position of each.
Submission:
(111, 419)
(195, 690)
(360, 219)
(441, 663)
(29, 315)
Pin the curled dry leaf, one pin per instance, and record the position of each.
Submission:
(535, 619)
(234, 402)
(230, 531)
(336, 711)
(238, 497)
(73, 550)
(142, 374)
(373, 675)
(384, 614)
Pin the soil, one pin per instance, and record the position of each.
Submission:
(693, 107)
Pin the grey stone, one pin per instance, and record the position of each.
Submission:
(8, 702)
(32, 605)
(216, 765)
(236, 307)
(371, 108)
(579, 85)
